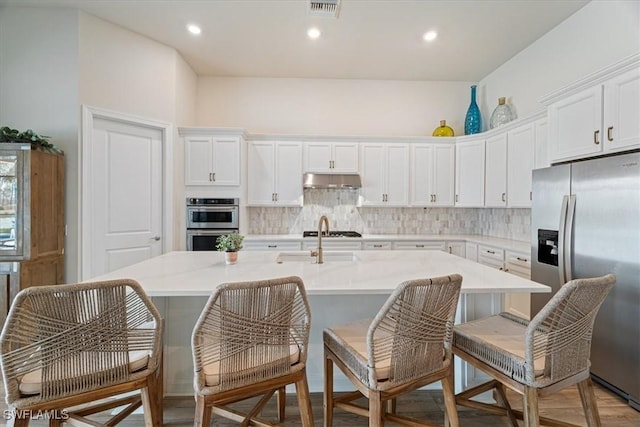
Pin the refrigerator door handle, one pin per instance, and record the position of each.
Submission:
(561, 237)
(569, 238)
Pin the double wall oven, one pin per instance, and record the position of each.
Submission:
(208, 219)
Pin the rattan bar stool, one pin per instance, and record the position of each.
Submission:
(406, 346)
(252, 339)
(69, 345)
(536, 358)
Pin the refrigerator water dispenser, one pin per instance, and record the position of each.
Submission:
(548, 246)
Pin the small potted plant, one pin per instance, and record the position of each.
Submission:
(230, 244)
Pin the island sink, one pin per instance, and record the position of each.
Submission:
(305, 256)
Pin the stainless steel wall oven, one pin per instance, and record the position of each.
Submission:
(208, 219)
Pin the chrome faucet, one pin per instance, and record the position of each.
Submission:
(318, 252)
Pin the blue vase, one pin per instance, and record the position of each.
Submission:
(473, 120)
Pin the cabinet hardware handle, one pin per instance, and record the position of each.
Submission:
(609, 136)
(213, 177)
(595, 137)
(450, 249)
(273, 197)
(419, 246)
(377, 246)
(501, 269)
(491, 252)
(435, 198)
(522, 259)
(504, 197)
(156, 238)
(506, 269)
(272, 246)
(210, 177)
(276, 197)
(530, 195)
(457, 198)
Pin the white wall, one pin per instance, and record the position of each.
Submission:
(331, 106)
(39, 91)
(125, 72)
(598, 35)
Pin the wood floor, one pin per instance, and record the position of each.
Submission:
(428, 405)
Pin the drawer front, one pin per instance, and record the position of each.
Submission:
(332, 244)
(519, 264)
(489, 252)
(377, 246)
(272, 245)
(419, 246)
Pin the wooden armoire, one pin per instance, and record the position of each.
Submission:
(32, 225)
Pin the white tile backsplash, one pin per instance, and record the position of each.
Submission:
(340, 207)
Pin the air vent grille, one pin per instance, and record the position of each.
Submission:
(328, 8)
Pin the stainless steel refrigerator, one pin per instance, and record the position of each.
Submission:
(585, 222)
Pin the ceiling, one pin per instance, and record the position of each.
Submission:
(370, 39)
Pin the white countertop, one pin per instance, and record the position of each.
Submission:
(508, 244)
(372, 272)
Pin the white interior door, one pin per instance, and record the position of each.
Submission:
(125, 195)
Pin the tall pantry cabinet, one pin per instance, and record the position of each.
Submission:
(31, 220)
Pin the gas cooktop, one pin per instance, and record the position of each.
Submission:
(332, 234)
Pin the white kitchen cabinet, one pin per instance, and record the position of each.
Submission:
(419, 245)
(519, 264)
(336, 245)
(270, 245)
(599, 119)
(456, 248)
(212, 160)
(541, 146)
(377, 246)
(495, 192)
(621, 127)
(493, 257)
(331, 157)
(470, 173)
(520, 157)
(384, 171)
(432, 175)
(275, 173)
(471, 251)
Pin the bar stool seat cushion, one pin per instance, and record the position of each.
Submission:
(212, 370)
(495, 339)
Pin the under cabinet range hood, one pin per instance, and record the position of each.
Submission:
(329, 180)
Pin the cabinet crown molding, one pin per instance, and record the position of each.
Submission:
(595, 78)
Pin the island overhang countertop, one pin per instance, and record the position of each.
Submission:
(343, 273)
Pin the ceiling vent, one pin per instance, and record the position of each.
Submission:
(329, 8)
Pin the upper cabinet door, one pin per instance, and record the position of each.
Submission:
(198, 158)
(397, 175)
(226, 161)
(331, 157)
(470, 173)
(261, 173)
(496, 172)
(372, 172)
(212, 160)
(575, 125)
(288, 173)
(421, 193)
(443, 177)
(622, 112)
(317, 157)
(345, 157)
(520, 154)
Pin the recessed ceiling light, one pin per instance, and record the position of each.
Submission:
(430, 36)
(194, 29)
(313, 33)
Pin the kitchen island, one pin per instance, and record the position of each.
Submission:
(348, 286)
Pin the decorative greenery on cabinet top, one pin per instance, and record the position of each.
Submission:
(38, 142)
